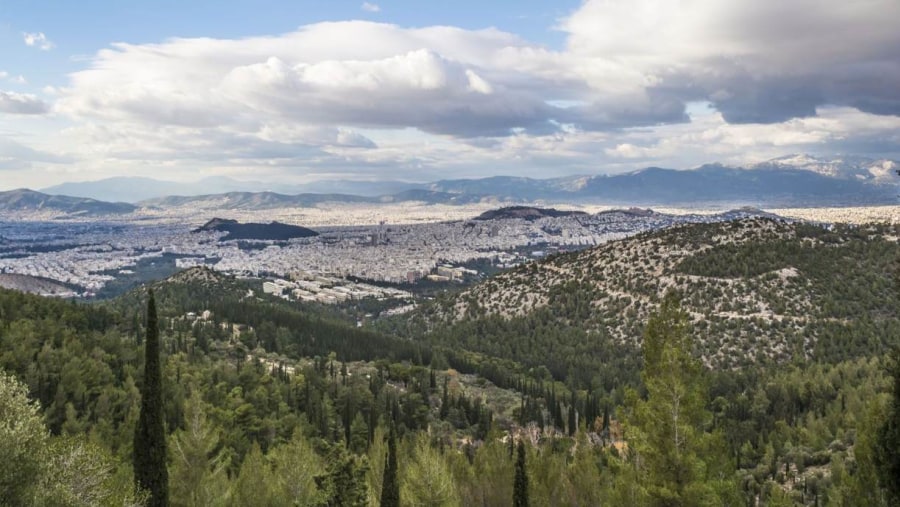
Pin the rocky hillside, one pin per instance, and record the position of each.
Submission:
(757, 290)
(34, 285)
(29, 200)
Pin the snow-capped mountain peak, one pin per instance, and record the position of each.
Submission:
(844, 167)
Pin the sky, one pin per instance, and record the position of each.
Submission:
(295, 91)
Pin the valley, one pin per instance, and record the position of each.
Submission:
(92, 253)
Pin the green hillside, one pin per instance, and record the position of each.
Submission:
(757, 291)
(761, 380)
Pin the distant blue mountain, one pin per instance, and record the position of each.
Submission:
(136, 189)
(28, 200)
(794, 180)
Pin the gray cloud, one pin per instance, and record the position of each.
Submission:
(761, 61)
(19, 103)
(15, 156)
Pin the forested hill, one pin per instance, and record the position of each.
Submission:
(271, 231)
(529, 213)
(270, 403)
(756, 290)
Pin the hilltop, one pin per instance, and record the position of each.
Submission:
(528, 213)
(274, 231)
(758, 290)
(28, 200)
(34, 285)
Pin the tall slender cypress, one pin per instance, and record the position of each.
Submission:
(390, 486)
(150, 472)
(520, 489)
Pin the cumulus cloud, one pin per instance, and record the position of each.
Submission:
(347, 96)
(440, 80)
(21, 103)
(37, 40)
(370, 7)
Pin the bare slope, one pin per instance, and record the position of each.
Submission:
(34, 285)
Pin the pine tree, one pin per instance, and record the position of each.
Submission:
(344, 481)
(150, 471)
(520, 489)
(887, 447)
(680, 463)
(390, 486)
(427, 479)
(199, 465)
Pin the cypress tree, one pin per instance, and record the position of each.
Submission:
(573, 418)
(390, 487)
(445, 402)
(150, 472)
(520, 488)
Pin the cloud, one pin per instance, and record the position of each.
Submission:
(440, 80)
(358, 97)
(38, 40)
(760, 61)
(16, 156)
(21, 103)
(20, 79)
(370, 7)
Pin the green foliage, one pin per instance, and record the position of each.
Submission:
(520, 488)
(390, 484)
(426, 479)
(36, 469)
(887, 447)
(488, 479)
(81, 473)
(295, 465)
(150, 472)
(199, 464)
(269, 403)
(377, 463)
(678, 460)
(252, 486)
(860, 486)
(23, 443)
(344, 481)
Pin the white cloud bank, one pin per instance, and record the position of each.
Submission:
(357, 96)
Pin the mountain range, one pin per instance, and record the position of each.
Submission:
(136, 189)
(23, 199)
(793, 180)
